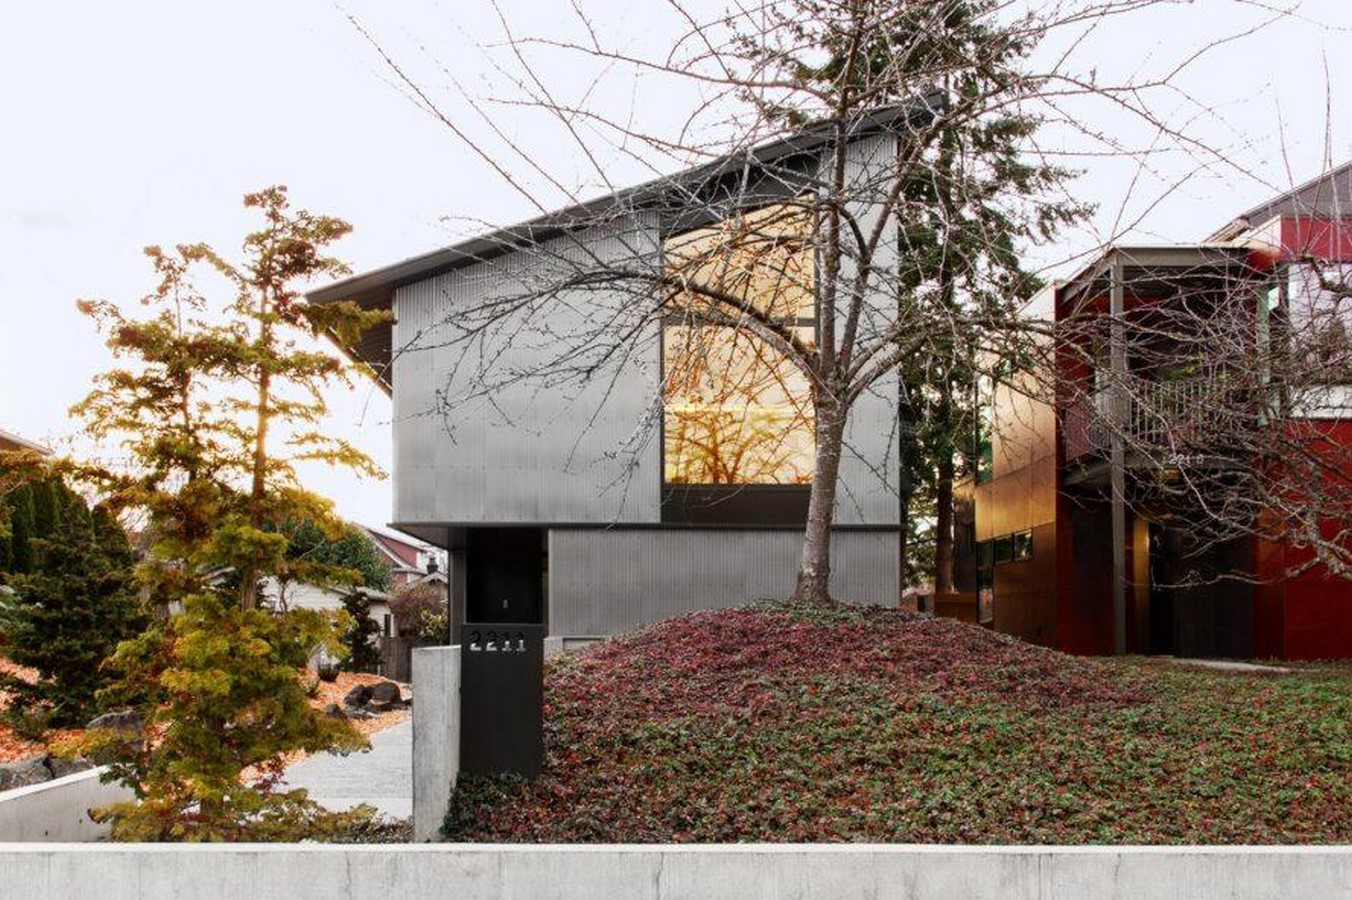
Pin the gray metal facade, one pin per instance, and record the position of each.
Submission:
(539, 454)
(586, 462)
(606, 581)
(869, 466)
(531, 453)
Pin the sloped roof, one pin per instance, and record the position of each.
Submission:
(375, 289)
(1327, 194)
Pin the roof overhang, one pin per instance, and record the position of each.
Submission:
(1146, 269)
(11, 441)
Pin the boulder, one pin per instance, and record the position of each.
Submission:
(359, 696)
(386, 692)
(24, 772)
(380, 706)
(126, 720)
(60, 768)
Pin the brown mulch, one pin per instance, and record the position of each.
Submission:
(13, 747)
(335, 691)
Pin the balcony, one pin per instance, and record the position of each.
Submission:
(1166, 421)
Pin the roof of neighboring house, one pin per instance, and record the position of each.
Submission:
(388, 543)
(11, 441)
(375, 289)
(1327, 194)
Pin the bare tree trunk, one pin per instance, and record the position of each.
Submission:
(814, 571)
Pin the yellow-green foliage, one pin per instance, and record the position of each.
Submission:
(220, 687)
(220, 402)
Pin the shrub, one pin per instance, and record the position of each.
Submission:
(66, 616)
(420, 611)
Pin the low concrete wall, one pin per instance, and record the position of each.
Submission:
(436, 736)
(58, 810)
(468, 872)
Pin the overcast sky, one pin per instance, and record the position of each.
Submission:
(131, 123)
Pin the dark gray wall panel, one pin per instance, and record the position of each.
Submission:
(610, 581)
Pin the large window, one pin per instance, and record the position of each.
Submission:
(736, 409)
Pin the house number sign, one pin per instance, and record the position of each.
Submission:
(513, 641)
(502, 699)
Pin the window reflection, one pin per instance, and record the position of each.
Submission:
(736, 410)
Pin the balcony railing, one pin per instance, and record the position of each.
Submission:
(1172, 418)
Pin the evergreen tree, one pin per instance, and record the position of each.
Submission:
(65, 617)
(21, 530)
(360, 637)
(210, 386)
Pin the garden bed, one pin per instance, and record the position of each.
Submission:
(777, 724)
(14, 747)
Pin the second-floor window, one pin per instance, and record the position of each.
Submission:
(735, 409)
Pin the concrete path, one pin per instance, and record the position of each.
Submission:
(1227, 665)
(382, 776)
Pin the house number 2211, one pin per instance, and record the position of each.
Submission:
(497, 642)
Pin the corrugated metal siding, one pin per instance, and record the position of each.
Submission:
(543, 454)
(538, 452)
(610, 581)
(867, 492)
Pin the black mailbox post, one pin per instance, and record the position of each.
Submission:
(502, 699)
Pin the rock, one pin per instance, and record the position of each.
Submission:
(24, 772)
(380, 706)
(335, 711)
(359, 696)
(386, 692)
(63, 767)
(128, 720)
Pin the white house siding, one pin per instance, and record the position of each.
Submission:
(310, 596)
(606, 581)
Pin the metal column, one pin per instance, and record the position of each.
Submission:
(1117, 363)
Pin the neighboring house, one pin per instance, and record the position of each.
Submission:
(550, 509)
(303, 595)
(12, 442)
(410, 561)
(1060, 550)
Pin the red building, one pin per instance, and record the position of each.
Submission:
(1072, 538)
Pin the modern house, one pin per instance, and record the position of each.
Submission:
(1075, 539)
(634, 496)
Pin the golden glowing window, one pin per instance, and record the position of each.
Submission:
(736, 410)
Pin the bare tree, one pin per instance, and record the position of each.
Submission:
(1229, 395)
(872, 176)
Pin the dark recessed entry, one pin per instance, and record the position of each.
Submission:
(505, 575)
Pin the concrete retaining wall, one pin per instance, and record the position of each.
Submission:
(58, 810)
(436, 736)
(468, 872)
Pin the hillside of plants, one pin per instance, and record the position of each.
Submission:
(775, 723)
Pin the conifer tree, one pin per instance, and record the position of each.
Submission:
(67, 615)
(220, 404)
